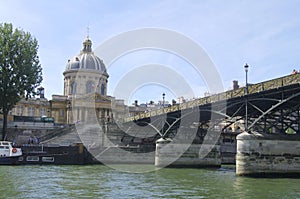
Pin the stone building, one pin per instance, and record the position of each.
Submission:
(36, 107)
(85, 93)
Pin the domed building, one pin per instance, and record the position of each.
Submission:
(85, 73)
(85, 90)
(84, 94)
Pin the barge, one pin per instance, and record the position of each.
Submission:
(29, 154)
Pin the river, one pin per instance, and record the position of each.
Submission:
(99, 181)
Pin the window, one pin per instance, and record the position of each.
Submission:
(102, 89)
(42, 111)
(32, 158)
(30, 111)
(73, 88)
(20, 110)
(61, 113)
(90, 86)
(47, 159)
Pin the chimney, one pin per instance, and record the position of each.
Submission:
(235, 84)
(173, 102)
(41, 92)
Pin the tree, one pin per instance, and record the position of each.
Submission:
(20, 69)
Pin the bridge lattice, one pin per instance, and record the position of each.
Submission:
(272, 107)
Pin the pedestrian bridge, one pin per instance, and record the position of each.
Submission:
(271, 106)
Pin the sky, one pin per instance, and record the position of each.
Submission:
(262, 33)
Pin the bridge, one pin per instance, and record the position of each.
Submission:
(262, 119)
(271, 106)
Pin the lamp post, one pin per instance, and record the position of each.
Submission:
(163, 95)
(246, 96)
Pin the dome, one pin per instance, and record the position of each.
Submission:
(86, 60)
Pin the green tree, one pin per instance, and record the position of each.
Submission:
(20, 69)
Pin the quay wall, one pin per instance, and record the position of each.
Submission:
(183, 155)
(122, 155)
(228, 153)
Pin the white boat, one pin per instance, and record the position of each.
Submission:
(8, 153)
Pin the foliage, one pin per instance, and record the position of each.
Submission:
(20, 69)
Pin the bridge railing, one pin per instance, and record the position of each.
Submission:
(254, 88)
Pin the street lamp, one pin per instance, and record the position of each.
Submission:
(246, 97)
(163, 95)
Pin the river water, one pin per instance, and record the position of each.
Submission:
(99, 181)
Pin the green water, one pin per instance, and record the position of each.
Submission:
(98, 181)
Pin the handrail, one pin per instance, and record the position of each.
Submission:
(253, 88)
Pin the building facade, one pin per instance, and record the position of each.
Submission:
(85, 93)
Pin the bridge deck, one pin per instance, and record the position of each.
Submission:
(274, 89)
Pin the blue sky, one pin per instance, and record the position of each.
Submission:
(262, 33)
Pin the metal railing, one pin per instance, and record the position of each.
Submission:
(252, 89)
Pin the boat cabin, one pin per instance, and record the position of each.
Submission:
(7, 150)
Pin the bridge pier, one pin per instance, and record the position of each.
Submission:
(263, 155)
(171, 154)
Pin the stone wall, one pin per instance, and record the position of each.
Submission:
(268, 155)
(122, 155)
(187, 155)
(228, 152)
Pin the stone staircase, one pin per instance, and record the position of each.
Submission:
(89, 135)
(65, 136)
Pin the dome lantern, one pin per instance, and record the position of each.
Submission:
(87, 46)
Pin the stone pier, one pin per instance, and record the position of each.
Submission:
(169, 154)
(268, 155)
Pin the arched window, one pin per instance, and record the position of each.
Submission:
(90, 87)
(102, 89)
(73, 88)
